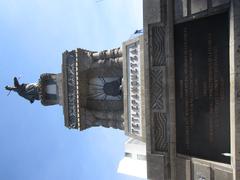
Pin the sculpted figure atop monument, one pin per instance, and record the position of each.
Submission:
(28, 91)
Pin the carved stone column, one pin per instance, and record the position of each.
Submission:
(235, 86)
(159, 66)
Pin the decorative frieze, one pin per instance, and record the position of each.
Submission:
(160, 132)
(69, 69)
(134, 88)
(157, 45)
(158, 89)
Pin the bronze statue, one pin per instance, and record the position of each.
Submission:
(28, 91)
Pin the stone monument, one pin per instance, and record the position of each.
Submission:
(191, 59)
(92, 88)
(177, 88)
(89, 89)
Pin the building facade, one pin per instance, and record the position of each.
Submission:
(134, 162)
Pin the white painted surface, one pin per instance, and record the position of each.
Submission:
(51, 89)
(135, 147)
(132, 165)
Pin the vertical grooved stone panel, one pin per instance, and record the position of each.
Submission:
(158, 86)
(157, 45)
(160, 132)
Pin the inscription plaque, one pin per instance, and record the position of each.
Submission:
(134, 92)
(133, 87)
(202, 88)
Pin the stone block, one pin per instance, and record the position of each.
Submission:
(151, 11)
(222, 175)
(183, 169)
(180, 9)
(219, 2)
(198, 6)
(201, 172)
(155, 167)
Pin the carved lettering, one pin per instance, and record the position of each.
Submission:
(202, 88)
(134, 65)
(134, 89)
(133, 58)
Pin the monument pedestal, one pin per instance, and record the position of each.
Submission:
(191, 70)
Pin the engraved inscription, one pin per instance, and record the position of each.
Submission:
(202, 88)
(134, 89)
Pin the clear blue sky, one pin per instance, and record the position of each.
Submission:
(35, 145)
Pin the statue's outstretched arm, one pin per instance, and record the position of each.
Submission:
(9, 88)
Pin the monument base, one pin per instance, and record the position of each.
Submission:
(168, 156)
